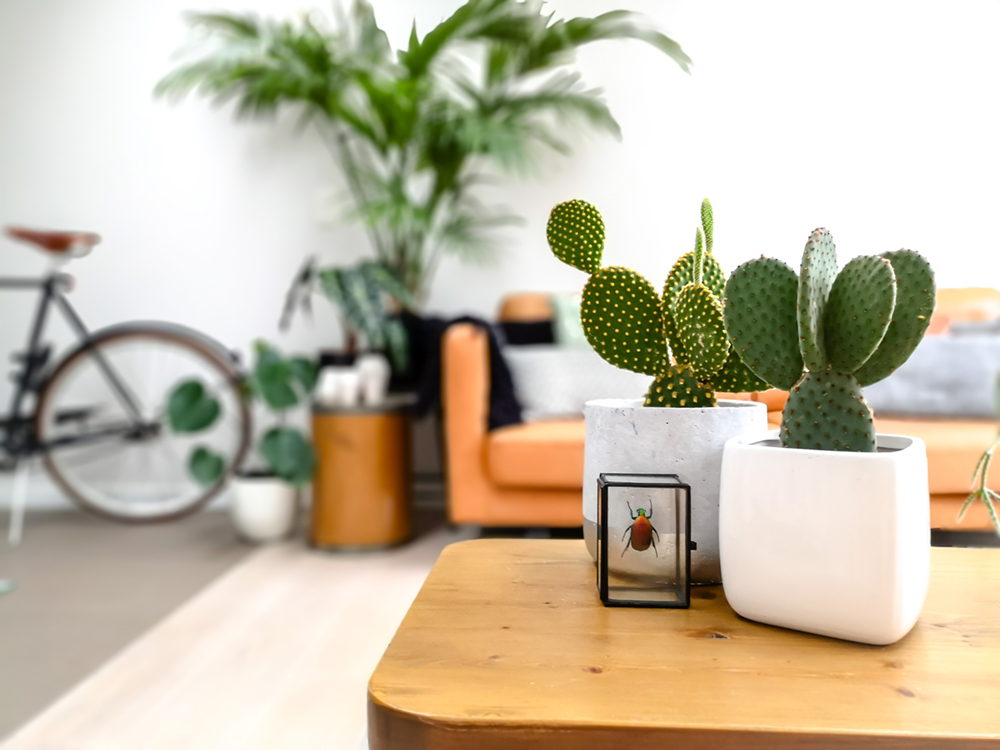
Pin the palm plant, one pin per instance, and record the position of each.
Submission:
(415, 133)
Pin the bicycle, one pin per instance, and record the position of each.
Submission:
(99, 417)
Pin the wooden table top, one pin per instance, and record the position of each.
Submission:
(507, 646)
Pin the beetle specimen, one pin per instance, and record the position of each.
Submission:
(641, 531)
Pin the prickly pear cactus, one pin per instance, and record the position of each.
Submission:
(633, 327)
(823, 335)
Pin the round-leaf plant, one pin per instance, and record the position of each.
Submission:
(633, 327)
(824, 335)
(279, 383)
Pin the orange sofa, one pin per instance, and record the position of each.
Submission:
(531, 474)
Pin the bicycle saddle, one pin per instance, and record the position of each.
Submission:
(69, 243)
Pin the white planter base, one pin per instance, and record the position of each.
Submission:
(826, 542)
(263, 508)
(624, 436)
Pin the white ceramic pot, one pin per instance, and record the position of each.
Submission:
(374, 373)
(338, 386)
(624, 436)
(828, 542)
(263, 507)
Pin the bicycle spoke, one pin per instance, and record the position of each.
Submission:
(143, 473)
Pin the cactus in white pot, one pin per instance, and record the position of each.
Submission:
(677, 337)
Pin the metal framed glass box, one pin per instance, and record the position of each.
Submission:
(640, 564)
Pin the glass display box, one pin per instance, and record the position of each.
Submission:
(644, 540)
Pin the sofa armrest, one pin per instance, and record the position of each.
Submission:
(465, 385)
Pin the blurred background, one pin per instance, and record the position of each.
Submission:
(873, 120)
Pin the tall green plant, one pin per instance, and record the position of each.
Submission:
(414, 132)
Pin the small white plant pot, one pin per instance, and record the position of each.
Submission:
(828, 542)
(374, 373)
(623, 436)
(338, 386)
(263, 508)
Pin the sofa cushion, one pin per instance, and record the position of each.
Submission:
(953, 449)
(947, 376)
(554, 382)
(541, 454)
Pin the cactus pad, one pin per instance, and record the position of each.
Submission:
(858, 311)
(736, 377)
(678, 387)
(819, 269)
(576, 235)
(621, 318)
(915, 296)
(702, 332)
(682, 274)
(707, 224)
(672, 337)
(826, 411)
(760, 316)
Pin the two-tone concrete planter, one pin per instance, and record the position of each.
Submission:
(827, 542)
(623, 436)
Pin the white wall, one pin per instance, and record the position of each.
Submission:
(876, 120)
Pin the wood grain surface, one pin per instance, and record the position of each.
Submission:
(507, 646)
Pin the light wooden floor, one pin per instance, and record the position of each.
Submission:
(275, 654)
(86, 588)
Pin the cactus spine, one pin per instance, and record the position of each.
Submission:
(633, 327)
(823, 335)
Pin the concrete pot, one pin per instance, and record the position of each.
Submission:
(263, 507)
(828, 542)
(624, 436)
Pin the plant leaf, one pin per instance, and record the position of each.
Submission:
(206, 466)
(272, 379)
(305, 371)
(191, 408)
(289, 454)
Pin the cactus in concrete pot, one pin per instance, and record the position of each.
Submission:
(633, 327)
(824, 335)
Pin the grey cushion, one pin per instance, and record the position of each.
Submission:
(945, 376)
(555, 382)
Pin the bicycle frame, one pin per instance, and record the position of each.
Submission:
(19, 437)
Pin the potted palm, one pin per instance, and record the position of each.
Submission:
(413, 131)
(678, 337)
(824, 525)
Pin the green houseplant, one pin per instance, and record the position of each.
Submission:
(979, 476)
(634, 327)
(265, 492)
(415, 133)
(828, 513)
(365, 295)
(265, 498)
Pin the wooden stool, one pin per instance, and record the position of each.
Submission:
(362, 487)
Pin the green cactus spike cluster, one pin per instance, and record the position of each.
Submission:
(824, 335)
(633, 327)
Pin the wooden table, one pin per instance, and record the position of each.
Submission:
(507, 646)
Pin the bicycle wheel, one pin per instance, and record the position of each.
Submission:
(101, 419)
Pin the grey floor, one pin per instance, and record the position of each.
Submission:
(86, 587)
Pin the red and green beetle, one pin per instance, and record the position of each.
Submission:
(642, 531)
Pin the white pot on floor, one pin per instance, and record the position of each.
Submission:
(829, 542)
(263, 507)
(624, 436)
